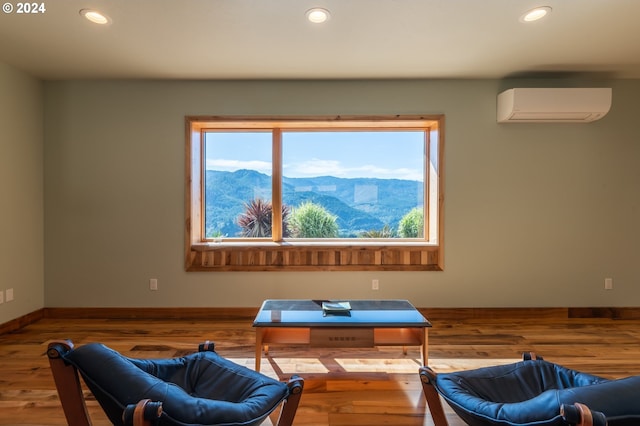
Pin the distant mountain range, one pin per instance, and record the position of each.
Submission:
(361, 204)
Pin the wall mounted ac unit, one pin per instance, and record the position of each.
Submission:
(546, 105)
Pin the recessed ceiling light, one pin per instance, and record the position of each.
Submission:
(317, 15)
(535, 14)
(95, 16)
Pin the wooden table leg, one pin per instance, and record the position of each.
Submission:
(425, 347)
(259, 336)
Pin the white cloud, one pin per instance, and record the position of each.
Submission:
(317, 167)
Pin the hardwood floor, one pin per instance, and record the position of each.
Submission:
(342, 387)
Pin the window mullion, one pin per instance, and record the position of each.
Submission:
(276, 185)
(426, 202)
(199, 192)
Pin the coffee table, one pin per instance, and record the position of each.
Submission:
(368, 323)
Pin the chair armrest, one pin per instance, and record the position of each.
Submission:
(207, 346)
(528, 356)
(144, 413)
(428, 377)
(67, 383)
(581, 415)
(290, 404)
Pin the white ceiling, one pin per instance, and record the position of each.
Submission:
(271, 39)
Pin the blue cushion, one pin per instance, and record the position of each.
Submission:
(530, 393)
(198, 389)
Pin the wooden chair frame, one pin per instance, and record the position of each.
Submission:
(145, 412)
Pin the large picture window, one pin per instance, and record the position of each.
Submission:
(338, 193)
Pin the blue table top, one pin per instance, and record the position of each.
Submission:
(363, 313)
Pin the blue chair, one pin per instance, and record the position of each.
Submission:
(202, 388)
(532, 392)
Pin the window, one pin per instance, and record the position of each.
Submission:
(314, 193)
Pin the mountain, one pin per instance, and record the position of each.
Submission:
(361, 204)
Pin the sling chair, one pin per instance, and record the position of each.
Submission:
(202, 388)
(532, 392)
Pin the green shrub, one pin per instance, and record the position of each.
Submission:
(310, 220)
(385, 232)
(412, 224)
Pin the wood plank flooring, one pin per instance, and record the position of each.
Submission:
(342, 386)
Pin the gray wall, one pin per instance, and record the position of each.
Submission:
(21, 193)
(536, 215)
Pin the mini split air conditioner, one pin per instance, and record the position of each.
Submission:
(563, 105)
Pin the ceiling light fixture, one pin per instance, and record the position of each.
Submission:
(317, 15)
(536, 14)
(95, 16)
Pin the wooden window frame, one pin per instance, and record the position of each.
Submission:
(316, 255)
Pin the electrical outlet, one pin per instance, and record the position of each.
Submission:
(375, 285)
(153, 284)
(608, 283)
(9, 294)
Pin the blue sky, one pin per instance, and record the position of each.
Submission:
(385, 155)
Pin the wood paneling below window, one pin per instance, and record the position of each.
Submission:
(227, 257)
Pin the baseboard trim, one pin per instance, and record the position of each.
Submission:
(530, 313)
(613, 313)
(464, 314)
(430, 313)
(23, 321)
(152, 313)
(243, 314)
